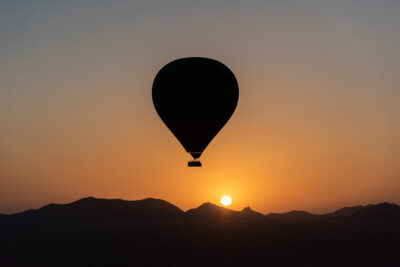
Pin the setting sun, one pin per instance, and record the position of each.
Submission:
(226, 200)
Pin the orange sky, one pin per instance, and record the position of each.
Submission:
(316, 127)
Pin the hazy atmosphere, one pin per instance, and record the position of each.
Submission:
(316, 127)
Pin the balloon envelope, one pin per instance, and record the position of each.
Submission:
(195, 97)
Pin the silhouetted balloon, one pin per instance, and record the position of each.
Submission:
(195, 97)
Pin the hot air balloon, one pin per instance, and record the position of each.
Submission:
(195, 97)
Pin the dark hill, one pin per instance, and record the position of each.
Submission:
(249, 212)
(210, 211)
(383, 212)
(346, 211)
(94, 209)
(293, 217)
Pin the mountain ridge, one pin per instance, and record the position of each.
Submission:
(154, 232)
(91, 208)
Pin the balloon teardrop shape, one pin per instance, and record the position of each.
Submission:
(195, 97)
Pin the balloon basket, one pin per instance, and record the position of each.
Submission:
(194, 163)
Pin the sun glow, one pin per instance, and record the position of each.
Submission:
(226, 200)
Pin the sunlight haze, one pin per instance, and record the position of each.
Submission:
(316, 127)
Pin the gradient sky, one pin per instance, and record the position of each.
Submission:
(316, 128)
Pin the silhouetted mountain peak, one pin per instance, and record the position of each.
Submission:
(86, 199)
(98, 209)
(117, 201)
(346, 211)
(207, 206)
(379, 211)
(293, 213)
(385, 205)
(249, 211)
(293, 216)
(210, 210)
(299, 213)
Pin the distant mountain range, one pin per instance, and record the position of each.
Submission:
(153, 232)
(114, 210)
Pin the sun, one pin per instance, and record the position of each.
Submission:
(226, 200)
